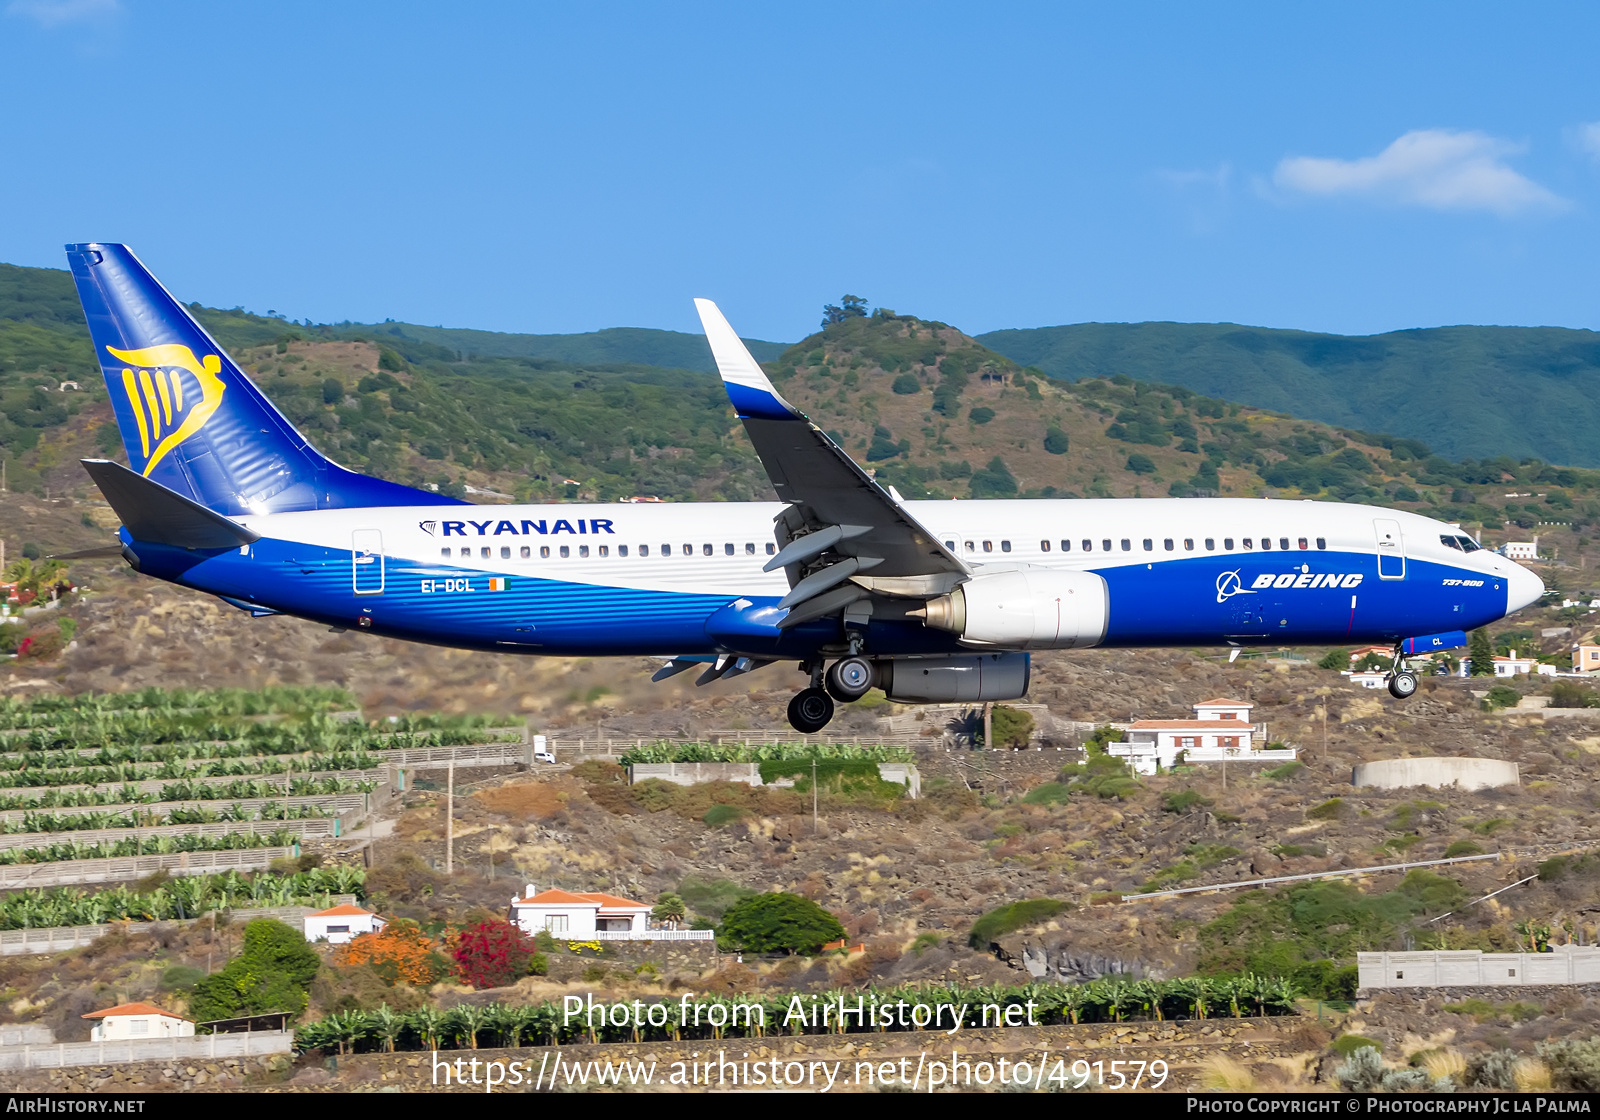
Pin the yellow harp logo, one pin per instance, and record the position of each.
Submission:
(157, 392)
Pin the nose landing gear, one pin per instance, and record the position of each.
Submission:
(1402, 681)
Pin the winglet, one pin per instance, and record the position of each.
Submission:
(748, 388)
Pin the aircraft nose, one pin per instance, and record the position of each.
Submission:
(1522, 588)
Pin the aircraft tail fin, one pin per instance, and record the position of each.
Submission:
(189, 417)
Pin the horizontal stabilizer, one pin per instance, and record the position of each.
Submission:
(153, 513)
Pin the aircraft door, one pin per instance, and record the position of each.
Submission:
(1391, 549)
(366, 561)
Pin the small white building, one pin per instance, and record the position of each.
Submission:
(578, 916)
(1515, 666)
(342, 923)
(1373, 678)
(1522, 550)
(1221, 730)
(137, 1020)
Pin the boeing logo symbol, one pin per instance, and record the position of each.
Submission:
(1228, 586)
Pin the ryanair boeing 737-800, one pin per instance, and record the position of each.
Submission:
(930, 601)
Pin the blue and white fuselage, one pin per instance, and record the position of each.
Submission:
(598, 580)
(928, 600)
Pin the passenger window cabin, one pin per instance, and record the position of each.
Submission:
(544, 552)
(1005, 546)
(1044, 546)
(565, 552)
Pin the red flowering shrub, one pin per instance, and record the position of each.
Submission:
(492, 954)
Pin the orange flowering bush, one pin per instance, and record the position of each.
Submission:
(398, 952)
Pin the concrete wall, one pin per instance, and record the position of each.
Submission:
(693, 773)
(1465, 773)
(145, 1050)
(1474, 968)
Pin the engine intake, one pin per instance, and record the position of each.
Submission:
(1029, 608)
(985, 676)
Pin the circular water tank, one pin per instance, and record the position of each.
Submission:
(1463, 773)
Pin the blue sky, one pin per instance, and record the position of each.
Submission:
(549, 168)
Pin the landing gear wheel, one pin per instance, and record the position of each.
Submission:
(810, 710)
(1403, 684)
(849, 679)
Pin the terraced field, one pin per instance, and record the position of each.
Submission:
(172, 773)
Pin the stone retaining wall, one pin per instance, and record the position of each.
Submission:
(1184, 1046)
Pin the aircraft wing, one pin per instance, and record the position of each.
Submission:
(842, 534)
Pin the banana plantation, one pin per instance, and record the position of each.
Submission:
(150, 846)
(154, 818)
(187, 897)
(55, 797)
(471, 1026)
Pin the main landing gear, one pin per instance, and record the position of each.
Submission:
(846, 680)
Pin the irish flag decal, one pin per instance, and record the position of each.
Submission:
(498, 583)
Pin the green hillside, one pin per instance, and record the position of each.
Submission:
(614, 346)
(45, 298)
(934, 412)
(1466, 391)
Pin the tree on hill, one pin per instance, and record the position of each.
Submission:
(272, 973)
(993, 481)
(493, 954)
(848, 307)
(1481, 652)
(778, 922)
(1012, 727)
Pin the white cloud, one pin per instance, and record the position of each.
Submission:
(56, 13)
(1434, 168)
(1586, 138)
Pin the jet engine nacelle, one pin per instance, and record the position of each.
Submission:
(1027, 608)
(942, 680)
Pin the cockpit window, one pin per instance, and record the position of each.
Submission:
(1468, 544)
(1450, 542)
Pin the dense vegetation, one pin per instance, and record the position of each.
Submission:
(1468, 391)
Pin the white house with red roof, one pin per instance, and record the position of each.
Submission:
(580, 916)
(1221, 730)
(137, 1020)
(339, 924)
